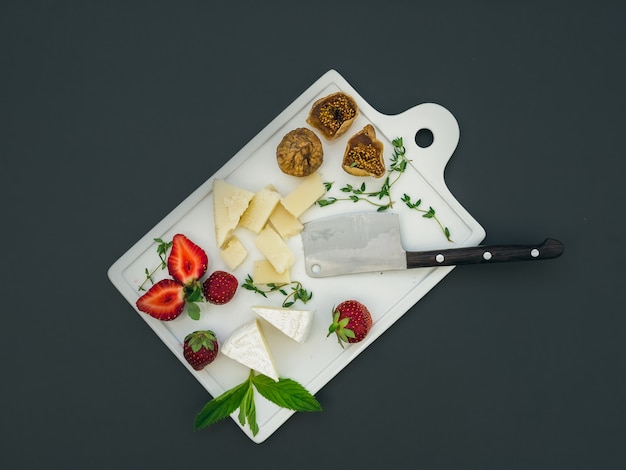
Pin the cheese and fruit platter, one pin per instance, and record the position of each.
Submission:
(301, 250)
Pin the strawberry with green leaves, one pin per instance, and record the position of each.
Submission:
(220, 287)
(166, 299)
(200, 348)
(351, 323)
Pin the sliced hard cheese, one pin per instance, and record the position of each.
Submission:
(233, 253)
(294, 323)
(261, 207)
(275, 250)
(264, 273)
(229, 204)
(285, 224)
(247, 345)
(304, 195)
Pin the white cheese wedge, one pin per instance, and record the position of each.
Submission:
(285, 224)
(259, 210)
(233, 253)
(229, 204)
(304, 195)
(264, 273)
(275, 250)
(292, 322)
(248, 346)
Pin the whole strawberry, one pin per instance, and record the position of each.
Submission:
(200, 348)
(220, 287)
(352, 322)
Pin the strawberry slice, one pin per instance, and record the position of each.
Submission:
(187, 262)
(164, 301)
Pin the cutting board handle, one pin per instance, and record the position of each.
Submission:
(487, 254)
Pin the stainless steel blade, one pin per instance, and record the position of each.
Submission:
(354, 243)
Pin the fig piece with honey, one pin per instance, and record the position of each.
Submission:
(364, 154)
(333, 115)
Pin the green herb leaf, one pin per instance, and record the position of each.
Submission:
(162, 248)
(297, 292)
(247, 411)
(286, 393)
(222, 406)
(193, 310)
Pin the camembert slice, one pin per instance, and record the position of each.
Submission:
(229, 204)
(247, 345)
(294, 323)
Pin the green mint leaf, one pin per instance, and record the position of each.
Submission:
(222, 406)
(286, 393)
(247, 411)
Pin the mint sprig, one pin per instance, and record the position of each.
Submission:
(286, 393)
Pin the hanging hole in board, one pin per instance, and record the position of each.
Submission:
(424, 138)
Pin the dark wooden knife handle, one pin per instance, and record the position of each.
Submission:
(487, 254)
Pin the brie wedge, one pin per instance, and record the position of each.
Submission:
(247, 345)
(294, 323)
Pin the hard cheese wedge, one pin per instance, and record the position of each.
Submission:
(304, 195)
(247, 345)
(285, 223)
(292, 322)
(261, 207)
(229, 204)
(275, 250)
(264, 273)
(233, 253)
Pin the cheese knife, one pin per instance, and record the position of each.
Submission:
(369, 242)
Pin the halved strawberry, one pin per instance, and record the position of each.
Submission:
(187, 262)
(165, 300)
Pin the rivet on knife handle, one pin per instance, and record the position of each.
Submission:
(550, 248)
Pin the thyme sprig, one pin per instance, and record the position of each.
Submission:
(398, 165)
(428, 214)
(381, 198)
(292, 291)
(162, 249)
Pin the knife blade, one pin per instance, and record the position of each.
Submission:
(371, 241)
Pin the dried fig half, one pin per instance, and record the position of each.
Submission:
(364, 154)
(300, 152)
(333, 115)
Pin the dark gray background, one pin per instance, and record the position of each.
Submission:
(111, 113)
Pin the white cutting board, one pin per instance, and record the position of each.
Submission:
(387, 295)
